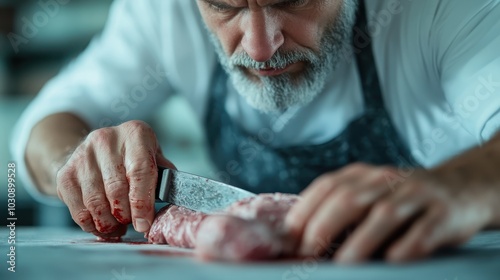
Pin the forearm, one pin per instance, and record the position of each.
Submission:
(49, 145)
(477, 169)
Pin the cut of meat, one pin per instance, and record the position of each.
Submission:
(268, 208)
(176, 226)
(250, 229)
(236, 239)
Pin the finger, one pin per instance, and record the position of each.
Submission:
(115, 186)
(371, 184)
(416, 243)
(68, 189)
(315, 195)
(344, 207)
(330, 218)
(385, 218)
(142, 175)
(94, 196)
(162, 161)
(339, 211)
(116, 235)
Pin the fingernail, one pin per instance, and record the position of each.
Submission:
(305, 250)
(141, 225)
(288, 226)
(348, 256)
(397, 255)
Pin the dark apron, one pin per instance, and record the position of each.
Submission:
(246, 162)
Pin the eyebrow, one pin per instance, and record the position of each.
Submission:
(282, 1)
(214, 2)
(219, 2)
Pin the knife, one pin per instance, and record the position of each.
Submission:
(196, 192)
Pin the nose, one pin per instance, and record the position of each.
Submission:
(262, 36)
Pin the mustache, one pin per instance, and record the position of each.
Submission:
(279, 60)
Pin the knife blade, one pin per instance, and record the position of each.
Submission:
(196, 192)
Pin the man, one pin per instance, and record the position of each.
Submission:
(389, 126)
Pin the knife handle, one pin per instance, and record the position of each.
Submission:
(163, 184)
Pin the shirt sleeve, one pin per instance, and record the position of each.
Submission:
(117, 78)
(467, 36)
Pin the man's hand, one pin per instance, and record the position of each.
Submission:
(110, 179)
(381, 201)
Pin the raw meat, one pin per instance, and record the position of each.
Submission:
(250, 229)
(268, 208)
(236, 239)
(176, 226)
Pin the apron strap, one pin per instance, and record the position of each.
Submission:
(362, 44)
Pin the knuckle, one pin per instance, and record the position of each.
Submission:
(116, 187)
(96, 204)
(139, 169)
(134, 124)
(386, 172)
(137, 203)
(138, 127)
(325, 181)
(357, 167)
(141, 130)
(83, 218)
(386, 169)
(101, 140)
(101, 135)
(385, 210)
(62, 177)
(347, 196)
(413, 189)
(140, 205)
(77, 158)
(66, 180)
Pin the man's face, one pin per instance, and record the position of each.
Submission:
(279, 53)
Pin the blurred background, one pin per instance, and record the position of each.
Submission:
(29, 60)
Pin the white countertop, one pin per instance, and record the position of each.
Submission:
(53, 253)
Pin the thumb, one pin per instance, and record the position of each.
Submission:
(163, 161)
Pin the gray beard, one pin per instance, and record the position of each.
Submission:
(278, 93)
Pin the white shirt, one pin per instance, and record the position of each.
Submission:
(438, 64)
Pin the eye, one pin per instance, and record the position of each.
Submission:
(218, 6)
(297, 3)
